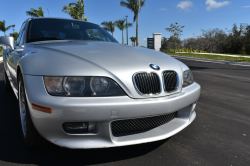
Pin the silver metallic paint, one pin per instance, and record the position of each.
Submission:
(96, 58)
(7, 41)
(65, 109)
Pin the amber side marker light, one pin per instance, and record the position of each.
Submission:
(41, 108)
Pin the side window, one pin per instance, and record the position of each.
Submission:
(20, 35)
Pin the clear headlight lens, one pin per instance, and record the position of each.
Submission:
(82, 86)
(187, 78)
(73, 85)
(98, 84)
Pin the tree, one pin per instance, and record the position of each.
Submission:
(15, 35)
(108, 26)
(235, 41)
(135, 6)
(120, 24)
(35, 13)
(248, 29)
(75, 10)
(171, 43)
(1, 49)
(3, 28)
(247, 40)
(176, 31)
(133, 39)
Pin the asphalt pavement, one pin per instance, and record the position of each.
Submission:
(219, 136)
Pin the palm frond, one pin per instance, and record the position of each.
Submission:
(40, 12)
(2, 25)
(10, 26)
(133, 39)
(75, 10)
(133, 6)
(108, 26)
(31, 13)
(128, 25)
(15, 35)
(120, 24)
(3, 28)
(35, 13)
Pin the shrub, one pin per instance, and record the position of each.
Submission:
(184, 50)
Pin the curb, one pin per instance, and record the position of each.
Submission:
(212, 61)
(216, 54)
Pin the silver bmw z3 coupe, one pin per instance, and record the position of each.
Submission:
(78, 87)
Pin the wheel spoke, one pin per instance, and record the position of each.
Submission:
(22, 103)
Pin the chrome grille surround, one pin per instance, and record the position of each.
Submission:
(137, 87)
(139, 125)
(165, 85)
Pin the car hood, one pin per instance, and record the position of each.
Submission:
(95, 58)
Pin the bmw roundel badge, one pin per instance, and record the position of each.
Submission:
(155, 67)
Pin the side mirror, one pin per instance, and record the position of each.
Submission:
(7, 41)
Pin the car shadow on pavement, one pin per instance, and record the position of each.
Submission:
(13, 150)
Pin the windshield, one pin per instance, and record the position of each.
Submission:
(59, 29)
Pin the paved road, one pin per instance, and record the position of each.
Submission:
(220, 135)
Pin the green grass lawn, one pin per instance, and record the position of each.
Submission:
(215, 57)
(240, 54)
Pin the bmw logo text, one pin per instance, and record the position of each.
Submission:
(155, 67)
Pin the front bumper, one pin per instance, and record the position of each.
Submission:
(101, 111)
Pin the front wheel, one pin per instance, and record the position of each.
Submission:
(29, 133)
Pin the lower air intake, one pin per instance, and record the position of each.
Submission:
(139, 125)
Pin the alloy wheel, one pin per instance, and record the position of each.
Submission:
(22, 102)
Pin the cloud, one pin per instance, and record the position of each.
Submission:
(145, 40)
(214, 4)
(163, 9)
(246, 6)
(185, 5)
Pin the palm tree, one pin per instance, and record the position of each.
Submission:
(135, 6)
(35, 13)
(133, 39)
(108, 26)
(121, 25)
(3, 28)
(15, 35)
(75, 10)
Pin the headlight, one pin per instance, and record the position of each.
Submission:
(98, 84)
(82, 86)
(187, 78)
(74, 85)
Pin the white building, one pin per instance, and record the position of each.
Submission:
(155, 42)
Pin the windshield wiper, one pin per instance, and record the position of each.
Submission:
(44, 39)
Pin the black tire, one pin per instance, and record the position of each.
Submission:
(7, 83)
(31, 137)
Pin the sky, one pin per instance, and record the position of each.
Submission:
(154, 17)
